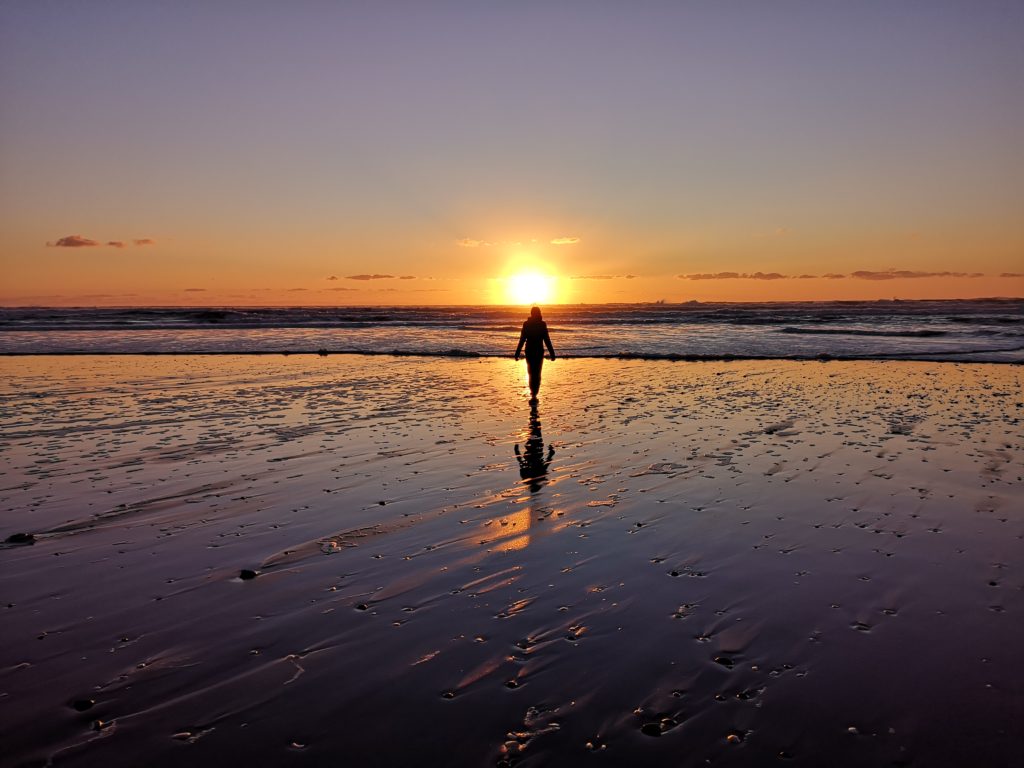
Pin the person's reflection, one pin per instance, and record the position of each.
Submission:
(533, 464)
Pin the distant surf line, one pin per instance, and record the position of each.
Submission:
(947, 356)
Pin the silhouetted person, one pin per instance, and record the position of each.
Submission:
(533, 464)
(535, 336)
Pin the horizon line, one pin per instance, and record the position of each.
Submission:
(501, 306)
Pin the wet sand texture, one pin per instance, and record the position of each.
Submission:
(343, 560)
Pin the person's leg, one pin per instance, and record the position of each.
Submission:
(533, 364)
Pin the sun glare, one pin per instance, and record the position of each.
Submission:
(530, 288)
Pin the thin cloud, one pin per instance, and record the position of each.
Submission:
(711, 276)
(73, 241)
(862, 274)
(472, 242)
(78, 241)
(602, 277)
(733, 276)
(296, 290)
(407, 277)
(370, 277)
(343, 289)
(904, 274)
(333, 277)
(1012, 274)
(195, 290)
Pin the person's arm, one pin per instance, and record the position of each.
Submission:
(547, 340)
(522, 340)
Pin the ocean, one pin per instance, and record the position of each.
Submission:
(986, 330)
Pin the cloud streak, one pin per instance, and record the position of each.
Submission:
(78, 241)
(73, 241)
(366, 277)
(472, 242)
(860, 274)
(905, 274)
(734, 276)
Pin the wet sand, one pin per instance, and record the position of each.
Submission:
(345, 560)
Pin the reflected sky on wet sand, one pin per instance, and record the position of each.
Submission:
(296, 558)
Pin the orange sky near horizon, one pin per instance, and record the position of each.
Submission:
(474, 271)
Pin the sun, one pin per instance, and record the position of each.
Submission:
(530, 288)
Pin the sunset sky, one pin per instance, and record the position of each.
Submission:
(197, 153)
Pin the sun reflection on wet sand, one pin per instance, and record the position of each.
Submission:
(534, 462)
(517, 523)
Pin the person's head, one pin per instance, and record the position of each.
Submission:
(535, 313)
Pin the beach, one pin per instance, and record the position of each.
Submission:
(378, 561)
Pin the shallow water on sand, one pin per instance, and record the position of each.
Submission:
(375, 561)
